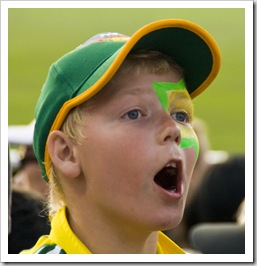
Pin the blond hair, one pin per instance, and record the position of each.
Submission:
(151, 61)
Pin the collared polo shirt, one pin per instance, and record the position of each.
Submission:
(62, 240)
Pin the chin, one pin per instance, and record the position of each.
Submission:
(170, 221)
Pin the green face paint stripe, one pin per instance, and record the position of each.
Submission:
(162, 89)
(163, 98)
(189, 143)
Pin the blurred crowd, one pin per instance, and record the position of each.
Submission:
(28, 219)
(213, 221)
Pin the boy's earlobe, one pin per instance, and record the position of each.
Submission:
(61, 150)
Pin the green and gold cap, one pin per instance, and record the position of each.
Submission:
(80, 74)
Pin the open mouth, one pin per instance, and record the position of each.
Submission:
(168, 178)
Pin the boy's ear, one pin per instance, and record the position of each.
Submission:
(62, 153)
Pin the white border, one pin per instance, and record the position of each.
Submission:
(249, 113)
(248, 257)
(125, 4)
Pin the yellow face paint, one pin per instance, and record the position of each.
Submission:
(174, 97)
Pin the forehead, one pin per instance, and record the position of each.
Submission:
(167, 86)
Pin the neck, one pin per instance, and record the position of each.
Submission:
(104, 236)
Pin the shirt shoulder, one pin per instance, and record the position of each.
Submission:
(61, 239)
(44, 245)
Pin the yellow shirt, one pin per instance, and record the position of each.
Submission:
(62, 240)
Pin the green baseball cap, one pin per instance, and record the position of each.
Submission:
(81, 73)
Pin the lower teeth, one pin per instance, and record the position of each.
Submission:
(173, 190)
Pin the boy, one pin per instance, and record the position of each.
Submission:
(113, 137)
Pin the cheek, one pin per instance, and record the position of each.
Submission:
(189, 140)
(114, 151)
(118, 175)
(190, 145)
(190, 158)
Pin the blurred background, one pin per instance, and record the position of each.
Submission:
(39, 36)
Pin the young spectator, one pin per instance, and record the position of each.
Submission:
(114, 138)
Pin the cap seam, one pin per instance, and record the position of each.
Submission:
(92, 73)
(60, 75)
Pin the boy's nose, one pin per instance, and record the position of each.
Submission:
(170, 131)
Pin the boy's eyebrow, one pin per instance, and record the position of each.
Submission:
(180, 98)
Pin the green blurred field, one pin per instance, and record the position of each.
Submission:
(38, 37)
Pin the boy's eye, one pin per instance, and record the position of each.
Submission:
(181, 117)
(133, 114)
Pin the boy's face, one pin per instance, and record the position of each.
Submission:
(136, 157)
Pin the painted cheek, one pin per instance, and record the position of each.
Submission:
(189, 139)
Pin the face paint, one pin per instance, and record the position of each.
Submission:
(175, 96)
(163, 89)
(189, 139)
